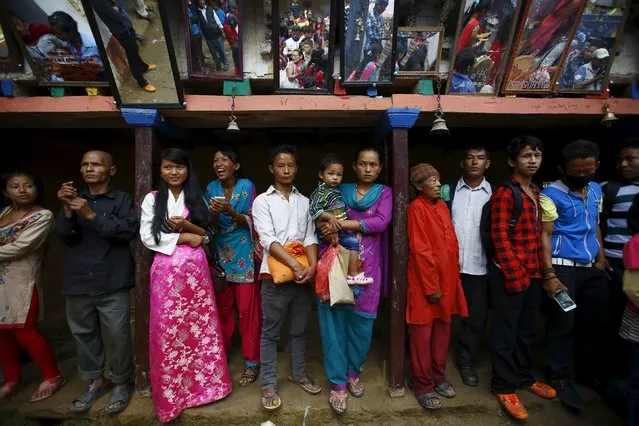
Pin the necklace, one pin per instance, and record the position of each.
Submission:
(360, 192)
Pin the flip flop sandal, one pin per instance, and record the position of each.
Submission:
(119, 400)
(249, 376)
(429, 401)
(8, 390)
(48, 388)
(357, 393)
(307, 384)
(446, 390)
(88, 397)
(338, 398)
(273, 398)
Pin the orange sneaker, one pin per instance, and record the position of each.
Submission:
(511, 403)
(542, 390)
(152, 67)
(149, 88)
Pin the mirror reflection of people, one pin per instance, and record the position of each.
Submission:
(294, 69)
(197, 54)
(473, 28)
(39, 39)
(461, 82)
(368, 69)
(82, 46)
(553, 57)
(293, 42)
(590, 76)
(122, 29)
(307, 49)
(232, 37)
(574, 62)
(213, 30)
(543, 26)
(375, 25)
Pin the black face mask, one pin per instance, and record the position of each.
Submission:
(576, 182)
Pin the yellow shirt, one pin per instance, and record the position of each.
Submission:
(549, 209)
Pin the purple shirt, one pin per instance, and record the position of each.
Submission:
(373, 250)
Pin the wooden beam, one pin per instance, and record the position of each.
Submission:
(145, 147)
(398, 141)
(482, 105)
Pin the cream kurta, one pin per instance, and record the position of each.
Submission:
(21, 250)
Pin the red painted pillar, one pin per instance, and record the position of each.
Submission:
(145, 147)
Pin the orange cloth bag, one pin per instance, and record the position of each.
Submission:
(282, 273)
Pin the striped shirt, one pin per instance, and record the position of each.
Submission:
(630, 326)
(617, 233)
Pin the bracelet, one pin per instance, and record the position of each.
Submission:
(549, 278)
(549, 269)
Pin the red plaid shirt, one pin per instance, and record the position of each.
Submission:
(518, 253)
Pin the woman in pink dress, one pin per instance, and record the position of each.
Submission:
(188, 364)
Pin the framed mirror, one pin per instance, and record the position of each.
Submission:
(368, 51)
(303, 44)
(485, 30)
(57, 41)
(213, 40)
(10, 54)
(419, 51)
(593, 47)
(134, 39)
(542, 44)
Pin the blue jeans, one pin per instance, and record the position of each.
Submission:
(633, 386)
(216, 46)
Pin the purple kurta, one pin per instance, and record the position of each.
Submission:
(373, 250)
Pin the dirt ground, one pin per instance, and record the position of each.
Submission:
(471, 407)
(153, 51)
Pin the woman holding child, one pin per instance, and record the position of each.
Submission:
(346, 330)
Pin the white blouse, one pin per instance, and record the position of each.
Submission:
(168, 242)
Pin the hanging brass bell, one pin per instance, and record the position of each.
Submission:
(233, 127)
(439, 127)
(609, 117)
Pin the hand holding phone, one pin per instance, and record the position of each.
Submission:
(564, 300)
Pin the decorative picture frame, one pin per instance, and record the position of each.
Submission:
(303, 42)
(202, 53)
(488, 27)
(419, 51)
(129, 82)
(544, 36)
(367, 54)
(11, 59)
(56, 40)
(593, 48)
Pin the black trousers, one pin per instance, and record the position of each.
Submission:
(515, 317)
(617, 349)
(578, 334)
(137, 66)
(473, 327)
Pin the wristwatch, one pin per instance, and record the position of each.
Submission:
(206, 239)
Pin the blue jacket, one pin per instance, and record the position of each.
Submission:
(575, 234)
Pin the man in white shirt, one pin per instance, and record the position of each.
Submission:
(293, 42)
(466, 199)
(280, 217)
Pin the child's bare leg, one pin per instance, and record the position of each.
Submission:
(353, 263)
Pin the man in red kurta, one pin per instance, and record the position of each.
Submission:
(434, 288)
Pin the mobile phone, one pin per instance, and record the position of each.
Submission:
(564, 300)
(220, 198)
